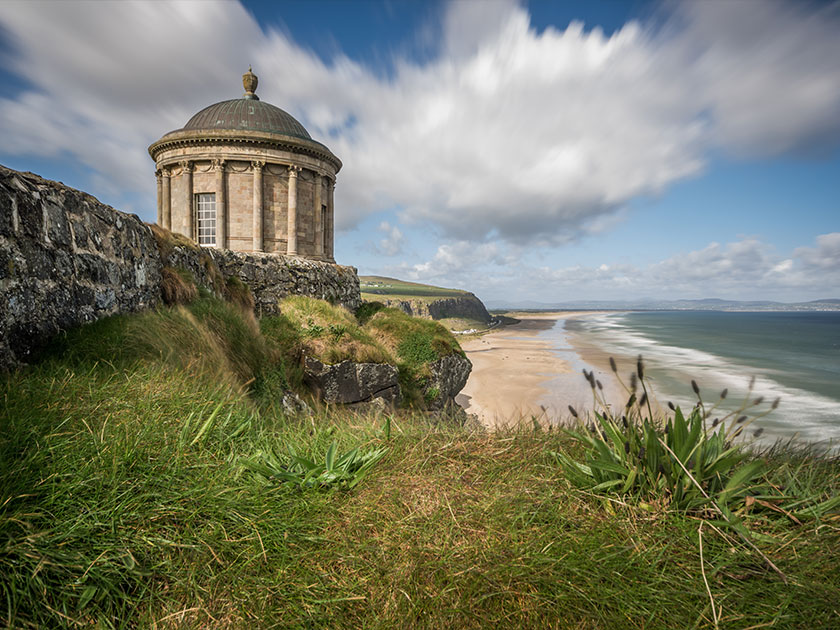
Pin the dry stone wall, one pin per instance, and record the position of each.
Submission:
(67, 259)
(272, 277)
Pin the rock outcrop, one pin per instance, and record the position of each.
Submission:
(449, 375)
(348, 382)
(466, 307)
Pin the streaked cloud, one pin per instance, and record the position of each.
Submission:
(507, 135)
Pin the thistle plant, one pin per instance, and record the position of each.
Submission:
(696, 464)
(335, 471)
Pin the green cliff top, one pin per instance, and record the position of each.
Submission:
(379, 287)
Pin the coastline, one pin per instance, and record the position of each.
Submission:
(519, 373)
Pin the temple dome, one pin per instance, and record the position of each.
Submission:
(248, 113)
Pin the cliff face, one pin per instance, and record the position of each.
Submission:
(467, 307)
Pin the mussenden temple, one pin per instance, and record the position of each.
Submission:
(245, 175)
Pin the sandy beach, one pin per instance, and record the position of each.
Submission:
(518, 375)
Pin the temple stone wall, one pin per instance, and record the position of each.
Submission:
(240, 194)
(191, 170)
(67, 259)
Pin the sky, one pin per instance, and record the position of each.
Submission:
(525, 151)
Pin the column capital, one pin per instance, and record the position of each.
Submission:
(294, 170)
(257, 165)
(218, 165)
(186, 166)
(159, 174)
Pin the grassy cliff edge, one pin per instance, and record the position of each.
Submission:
(127, 500)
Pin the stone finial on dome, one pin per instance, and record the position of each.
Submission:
(249, 80)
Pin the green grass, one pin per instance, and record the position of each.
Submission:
(126, 501)
(415, 343)
(331, 333)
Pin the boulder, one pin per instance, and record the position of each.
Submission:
(348, 382)
(449, 374)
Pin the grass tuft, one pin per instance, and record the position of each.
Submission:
(177, 286)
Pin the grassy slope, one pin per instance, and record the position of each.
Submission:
(378, 287)
(120, 505)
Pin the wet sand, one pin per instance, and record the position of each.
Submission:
(515, 374)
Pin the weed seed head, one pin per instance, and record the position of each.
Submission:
(775, 403)
(613, 366)
(724, 393)
(640, 368)
(573, 411)
(758, 400)
(671, 406)
(715, 422)
(695, 387)
(633, 382)
(740, 420)
(758, 432)
(643, 399)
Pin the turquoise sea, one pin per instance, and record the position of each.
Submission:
(794, 356)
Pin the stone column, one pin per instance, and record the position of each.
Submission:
(291, 228)
(318, 228)
(159, 178)
(221, 205)
(258, 205)
(167, 199)
(330, 228)
(189, 227)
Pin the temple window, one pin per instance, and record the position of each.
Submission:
(205, 209)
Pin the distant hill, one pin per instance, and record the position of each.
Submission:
(648, 304)
(459, 309)
(393, 288)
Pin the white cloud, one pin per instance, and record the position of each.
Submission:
(505, 134)
(394, 240)
(825, 256)
(741, 270)
(767, 71)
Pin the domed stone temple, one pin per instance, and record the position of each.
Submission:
(245, 175)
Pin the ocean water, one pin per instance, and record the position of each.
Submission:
(793, 356)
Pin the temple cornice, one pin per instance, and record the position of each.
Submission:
(239, 137)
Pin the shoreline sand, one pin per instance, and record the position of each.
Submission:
(518, 375)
